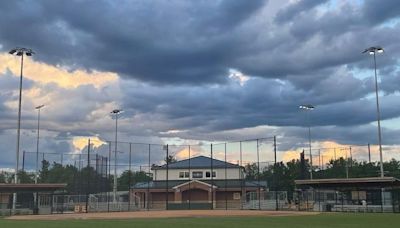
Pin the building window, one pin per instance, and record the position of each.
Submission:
(197, 174)
(208, 174)
(183, 174)
(236, 196)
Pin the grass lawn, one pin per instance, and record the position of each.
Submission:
(323, 221)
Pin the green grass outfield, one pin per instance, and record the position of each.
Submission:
(311, 221)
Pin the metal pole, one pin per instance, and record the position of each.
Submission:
(241, 175)
(322, 162)
(347, 165)
(18, 132)
(379, 119)
(109, 176)
(115, 159)
(88, 177)
(148, 181)
(275, 179)
(309, 144)
(212, 179)
(258, 176)
(189, 193)
(319, 157)
(37, 148)
(130, 176)
(166, 186)
(23, 160)
(369, 153)
(226, 173)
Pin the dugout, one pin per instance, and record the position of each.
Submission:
(372, 194)
(27, 202)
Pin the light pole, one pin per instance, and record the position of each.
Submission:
(308, 108)
(373, 51)
(19, 52)
(37, 143)
(116, 112)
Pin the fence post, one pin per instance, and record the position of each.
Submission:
(369, 153)
(212, 179)
(88, 177)
(166, 186)
(23, 161)
(109, 176)
(241, 175)
(130, 176)
(275, 179)
(226, 173)
(258, 176)
(148, 182)
(189, 193)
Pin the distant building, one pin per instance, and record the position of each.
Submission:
(370, 194)
(196, 183)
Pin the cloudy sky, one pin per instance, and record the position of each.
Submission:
(199, 71)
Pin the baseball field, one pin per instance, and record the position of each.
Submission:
(195, 219)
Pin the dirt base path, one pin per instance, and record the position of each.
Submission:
(161, 214)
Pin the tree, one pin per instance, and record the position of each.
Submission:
(251, 171)
(2, 178)
(23, 177)
(170, 159)
(129, 178)
(26, 178)
(44, 172)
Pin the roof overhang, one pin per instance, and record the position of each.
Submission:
(350, 183)
(31, 187)
(194, 182)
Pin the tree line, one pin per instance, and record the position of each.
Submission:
(279, 176)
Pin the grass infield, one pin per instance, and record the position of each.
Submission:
(313, 221)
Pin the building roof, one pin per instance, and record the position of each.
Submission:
(198, 163)
(217, 183)
(31, 187)
(342, 183)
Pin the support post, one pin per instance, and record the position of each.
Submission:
(275, 178)
(166, 186)
(88, 177)
(258, 176)
(212, 179)
(130, 176)
(226, 173)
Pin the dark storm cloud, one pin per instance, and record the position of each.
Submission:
(195, 42)
(179, 54)
(156, 41)
(379, 11)
(289, 13)
(339, 100)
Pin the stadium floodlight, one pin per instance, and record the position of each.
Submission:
(19, 52)
(308, 107)
(373, 51)
(115, 112)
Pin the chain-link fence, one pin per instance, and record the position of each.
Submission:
(248, 174)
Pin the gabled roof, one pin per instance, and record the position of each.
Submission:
(198, 163)
(194, 181)
(217, 183)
